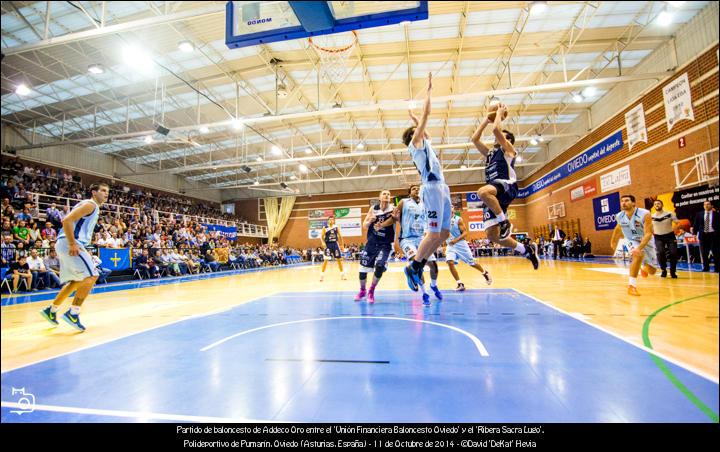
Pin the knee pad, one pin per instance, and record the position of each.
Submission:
(363, 276)
(379, 271)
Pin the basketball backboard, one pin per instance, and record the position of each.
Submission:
(253, 23)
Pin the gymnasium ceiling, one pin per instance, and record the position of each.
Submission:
(470, 47)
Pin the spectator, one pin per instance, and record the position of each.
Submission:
(24, 215)
(8, 251)
(104, 272)
(21, 233)
(707, 229)
(34, 234)
(52, 265)
(211, 260)
(20, 269)
(38, 270)
(49, 232)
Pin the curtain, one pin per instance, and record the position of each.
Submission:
(277, 217)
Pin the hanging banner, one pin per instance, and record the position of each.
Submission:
(588, 188)
(608, 146)
(474, 204)
(605, 208)
(635, 124)
(615, 179)
(678, 102)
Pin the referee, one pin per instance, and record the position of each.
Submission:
(665, 240)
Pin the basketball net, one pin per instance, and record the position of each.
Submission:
(334, 51)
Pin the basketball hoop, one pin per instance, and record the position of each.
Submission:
(334, 50)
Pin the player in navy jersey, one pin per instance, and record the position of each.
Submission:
(501, 184)
(331, 239)
(378, 247)
(77, 271)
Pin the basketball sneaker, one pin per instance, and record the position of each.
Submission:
(360, 295)
(426, 299)
(530, 255)
(505, 229)
(73, 320)
(49, 315)
(663, 274)
(322, 277)
(460, 287)
(632, 290)
(343, 276)
(437, 292)
(488, 278)
(371, 296)
(411, 278)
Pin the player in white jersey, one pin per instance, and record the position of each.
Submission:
(458, 250)
(332, 241)
(434, 193)
(77, 272)
(501, 184)
(636, 225)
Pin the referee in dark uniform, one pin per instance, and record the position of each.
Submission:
(665, 240)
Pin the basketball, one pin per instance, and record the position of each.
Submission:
(492, 109)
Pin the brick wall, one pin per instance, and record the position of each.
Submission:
(651, 173)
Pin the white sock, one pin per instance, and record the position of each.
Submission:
(633, 282)
(433, 283)
(54, 308)
(459, 282)
(501, 217)
(74, 310)
(422, 288)
(520, 248)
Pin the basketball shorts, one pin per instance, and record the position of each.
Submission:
(333, 250)
(374, 255)
(506, 193)
(410, 247)
(460, 252)
(74, 268)
(438, 207)
(650, 255)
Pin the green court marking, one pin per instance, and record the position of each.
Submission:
(663, 367)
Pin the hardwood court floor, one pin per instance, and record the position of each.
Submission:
(686, 331)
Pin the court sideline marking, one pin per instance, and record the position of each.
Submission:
(668, 373)
(660, 355)
(133, 414)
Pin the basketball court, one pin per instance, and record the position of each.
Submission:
(307, 101)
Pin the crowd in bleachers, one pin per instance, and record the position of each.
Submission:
(163, 245)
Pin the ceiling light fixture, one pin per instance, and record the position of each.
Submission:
(186, 46)
(96, 69)
(204, 129)
(22, 90)
(538, 7)
(276, 150)
(665, 18)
